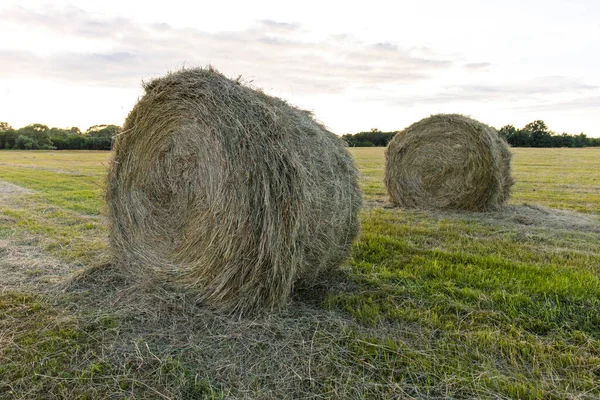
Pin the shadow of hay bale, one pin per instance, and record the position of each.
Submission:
(110, 286)
(314, 293)
(221, 190)
(103, 275)
(448, 161)
(374, 203)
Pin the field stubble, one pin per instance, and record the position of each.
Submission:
(431, 305)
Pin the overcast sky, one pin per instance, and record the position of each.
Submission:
(376, 64)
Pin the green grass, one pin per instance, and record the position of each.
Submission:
(430, 305)
(558, 178)
(81, 193)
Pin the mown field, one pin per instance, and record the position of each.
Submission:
(499, 305)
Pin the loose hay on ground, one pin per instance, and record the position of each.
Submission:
(8, 191)
(229, 192)
(448, 161)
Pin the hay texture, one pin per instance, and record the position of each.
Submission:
(448, 161)
(229, 193)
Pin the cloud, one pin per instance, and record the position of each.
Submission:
(69, 21)
(271, 53)
(477, 66)
(281, 26)
(541, 85)
(586, 103)
(536, 92)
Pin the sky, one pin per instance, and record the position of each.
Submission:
(355, 65)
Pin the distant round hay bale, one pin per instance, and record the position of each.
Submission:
(448, 161)
(228, 192)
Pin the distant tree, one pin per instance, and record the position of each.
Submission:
(580, 140)
(107, 131)
(564, 140)
(38, 132)
(36, 127)
(100, 143)
(58, 131)
(5, 128)
(507, 132)
(539, 134)
(25, 143)
(8, 138)
(95, 128)
(77, 142)
(521, 138)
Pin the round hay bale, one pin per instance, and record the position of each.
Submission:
(229, 193)
(448, 161)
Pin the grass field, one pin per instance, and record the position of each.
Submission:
(500, 305)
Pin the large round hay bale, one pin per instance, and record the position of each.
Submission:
(448, 161)
(228, 192)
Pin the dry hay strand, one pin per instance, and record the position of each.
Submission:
(448, 161)
(229, 193)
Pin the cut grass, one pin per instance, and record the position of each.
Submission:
(53, 354)
(73, 237)
(431, 305)
(80, 193)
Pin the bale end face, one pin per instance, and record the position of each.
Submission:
(448, 161)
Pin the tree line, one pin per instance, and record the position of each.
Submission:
(373, 138)
(101, 137)
(537, 134)
(534, 134)
(41, 137)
